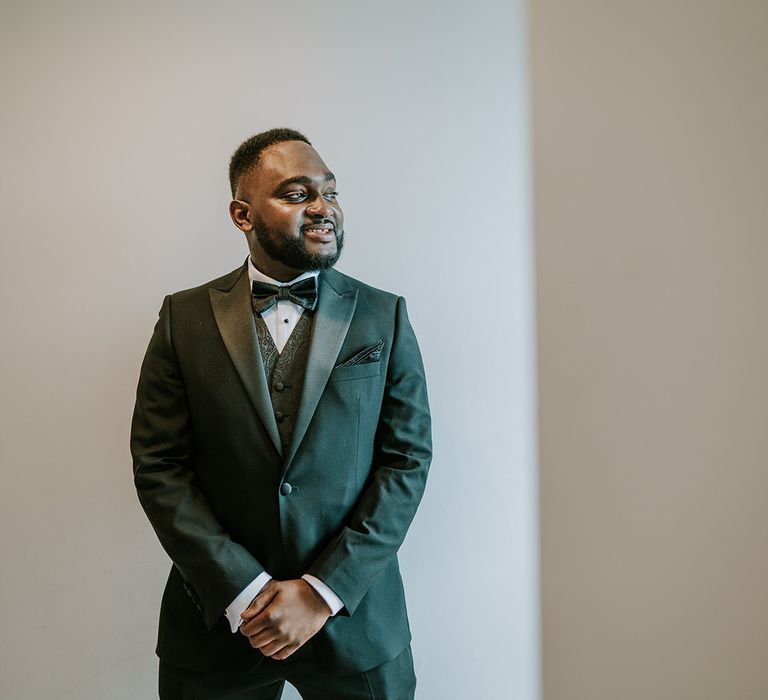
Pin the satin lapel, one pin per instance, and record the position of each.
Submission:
(333, 315)
(232, 309)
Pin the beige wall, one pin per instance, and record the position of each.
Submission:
(651, 214)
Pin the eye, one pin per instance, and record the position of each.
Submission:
(294, 196)
(331, 196)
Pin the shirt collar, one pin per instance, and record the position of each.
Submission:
(257, 275)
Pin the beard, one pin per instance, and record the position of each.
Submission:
(293, 251)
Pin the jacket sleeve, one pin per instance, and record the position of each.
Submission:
(214, 567)
(401, 460)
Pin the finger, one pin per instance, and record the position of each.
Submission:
(255, 626)
(268, 619)
(285, 652)
(273, 647)
(261, 639)
(258, 604)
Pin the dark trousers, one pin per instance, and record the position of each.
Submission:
(393, 680)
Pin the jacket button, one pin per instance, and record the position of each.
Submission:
(285, 488)
(280, 416)
(279, 386)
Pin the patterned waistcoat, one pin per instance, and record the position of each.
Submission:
(285, 371)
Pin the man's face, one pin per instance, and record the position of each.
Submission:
(288, 210)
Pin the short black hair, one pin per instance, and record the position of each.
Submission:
(249, 152)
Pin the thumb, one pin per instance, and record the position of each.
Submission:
(261, 601)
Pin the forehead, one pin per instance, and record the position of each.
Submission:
(290, 159)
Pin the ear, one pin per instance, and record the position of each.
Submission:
(240, 212)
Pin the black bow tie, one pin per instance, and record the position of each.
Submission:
(303, 293)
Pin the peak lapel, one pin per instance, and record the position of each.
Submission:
(234, 317)
(332, 318)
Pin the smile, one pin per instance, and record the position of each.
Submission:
(321, 234)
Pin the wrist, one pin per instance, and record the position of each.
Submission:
(321, 605)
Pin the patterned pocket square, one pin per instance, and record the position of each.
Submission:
(366, 355)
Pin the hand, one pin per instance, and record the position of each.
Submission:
(284, 616)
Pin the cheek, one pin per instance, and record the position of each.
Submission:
(283, 219)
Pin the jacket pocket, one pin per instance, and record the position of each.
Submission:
(369, 354)
(367, 369)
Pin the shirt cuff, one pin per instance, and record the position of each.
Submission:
(237, 607)
(331, 599)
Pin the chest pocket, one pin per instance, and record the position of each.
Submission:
(368, 369)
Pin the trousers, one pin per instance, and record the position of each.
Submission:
(393, 680)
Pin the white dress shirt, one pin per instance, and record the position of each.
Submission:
(280, 320)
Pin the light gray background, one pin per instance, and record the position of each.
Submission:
(116, 126)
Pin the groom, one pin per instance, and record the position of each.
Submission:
(281, 443)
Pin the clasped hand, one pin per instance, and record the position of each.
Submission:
(284, 616)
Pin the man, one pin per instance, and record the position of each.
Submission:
(281, 443)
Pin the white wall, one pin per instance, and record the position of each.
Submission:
(117, 123)
(651, 164)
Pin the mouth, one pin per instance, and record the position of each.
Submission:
(322, 233)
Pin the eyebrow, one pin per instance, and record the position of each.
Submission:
(304, 180)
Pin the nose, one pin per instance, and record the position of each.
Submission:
(319, 208)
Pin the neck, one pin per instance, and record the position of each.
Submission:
(274, 269)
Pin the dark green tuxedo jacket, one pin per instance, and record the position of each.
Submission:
(209, 468)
